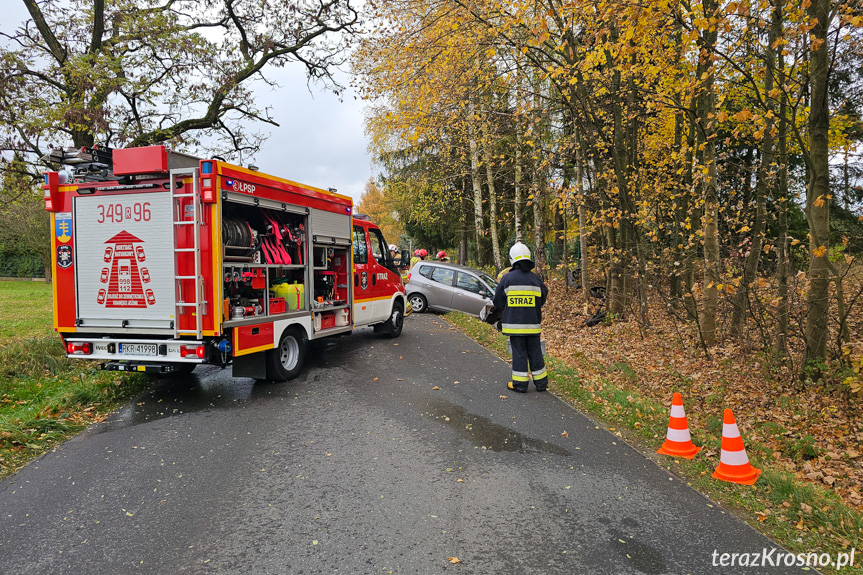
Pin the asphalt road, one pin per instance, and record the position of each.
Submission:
(360, 466)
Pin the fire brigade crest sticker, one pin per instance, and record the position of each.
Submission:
(124, 275)
(64, 257)
(364, 280)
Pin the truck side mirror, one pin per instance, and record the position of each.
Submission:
(406, 257)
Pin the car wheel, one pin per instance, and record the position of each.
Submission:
(396, 321)
(418, 302)
(286, 360)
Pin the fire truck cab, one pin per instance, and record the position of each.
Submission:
(163, 261)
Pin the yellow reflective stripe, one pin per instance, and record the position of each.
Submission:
(538, 374)
(519, 378)
(520, 331)
(520, 326)
(522, 290)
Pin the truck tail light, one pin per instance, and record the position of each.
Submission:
(208, 189)
(192, 350)
(79, 348)
(52, 191)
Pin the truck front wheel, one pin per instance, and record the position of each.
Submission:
(393, 326)
(286, 360)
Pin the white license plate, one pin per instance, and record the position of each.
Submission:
(138, 349)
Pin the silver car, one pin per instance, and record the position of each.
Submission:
(444, 286)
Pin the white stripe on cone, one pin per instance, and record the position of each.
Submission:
(677, 411)
(733, 457)
(679, 435)
(730, 430)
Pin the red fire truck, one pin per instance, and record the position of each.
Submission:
(163, 261)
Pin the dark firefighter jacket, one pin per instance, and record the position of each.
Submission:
(520, 295)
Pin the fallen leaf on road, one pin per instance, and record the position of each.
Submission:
(454, 559)
(504, 397)
(375, 379)
(435, 387)
(564, 434)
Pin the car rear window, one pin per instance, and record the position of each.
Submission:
(426, 271)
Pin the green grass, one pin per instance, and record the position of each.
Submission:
(26, 310)
(44, 397)
(801, 516)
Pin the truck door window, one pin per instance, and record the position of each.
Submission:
(379, 248)
(361, 255)
(468, 283)
(442, 275)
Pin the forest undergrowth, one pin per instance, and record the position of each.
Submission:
(811, 428)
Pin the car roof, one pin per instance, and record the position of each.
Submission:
(454, 266)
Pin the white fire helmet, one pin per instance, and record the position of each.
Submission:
(519, 252)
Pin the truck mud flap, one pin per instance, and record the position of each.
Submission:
(141, 367)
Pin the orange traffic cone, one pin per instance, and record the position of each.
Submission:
(734, 465)
(678, 442)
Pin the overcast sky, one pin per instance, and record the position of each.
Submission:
(320, 140)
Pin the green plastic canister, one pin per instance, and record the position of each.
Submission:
(294, 295)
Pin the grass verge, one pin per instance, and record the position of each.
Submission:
(44, 397)
(802, 517)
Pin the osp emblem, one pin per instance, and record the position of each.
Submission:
(364, 280)
(64, 256)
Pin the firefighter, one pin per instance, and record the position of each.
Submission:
(419, 255)
(520, 295)
(441, 256)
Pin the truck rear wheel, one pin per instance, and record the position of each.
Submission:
(286, 360)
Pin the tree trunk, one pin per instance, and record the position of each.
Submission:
(619, 269)
(462, 245)
(479, 228)
(538, 220)
(517, 210)
(690, 211)
(763, 180)
(492, 198)
(538, 186)
(781, 194)
(517, 201)
(818, 192)
(582, 234)
(710, 220)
